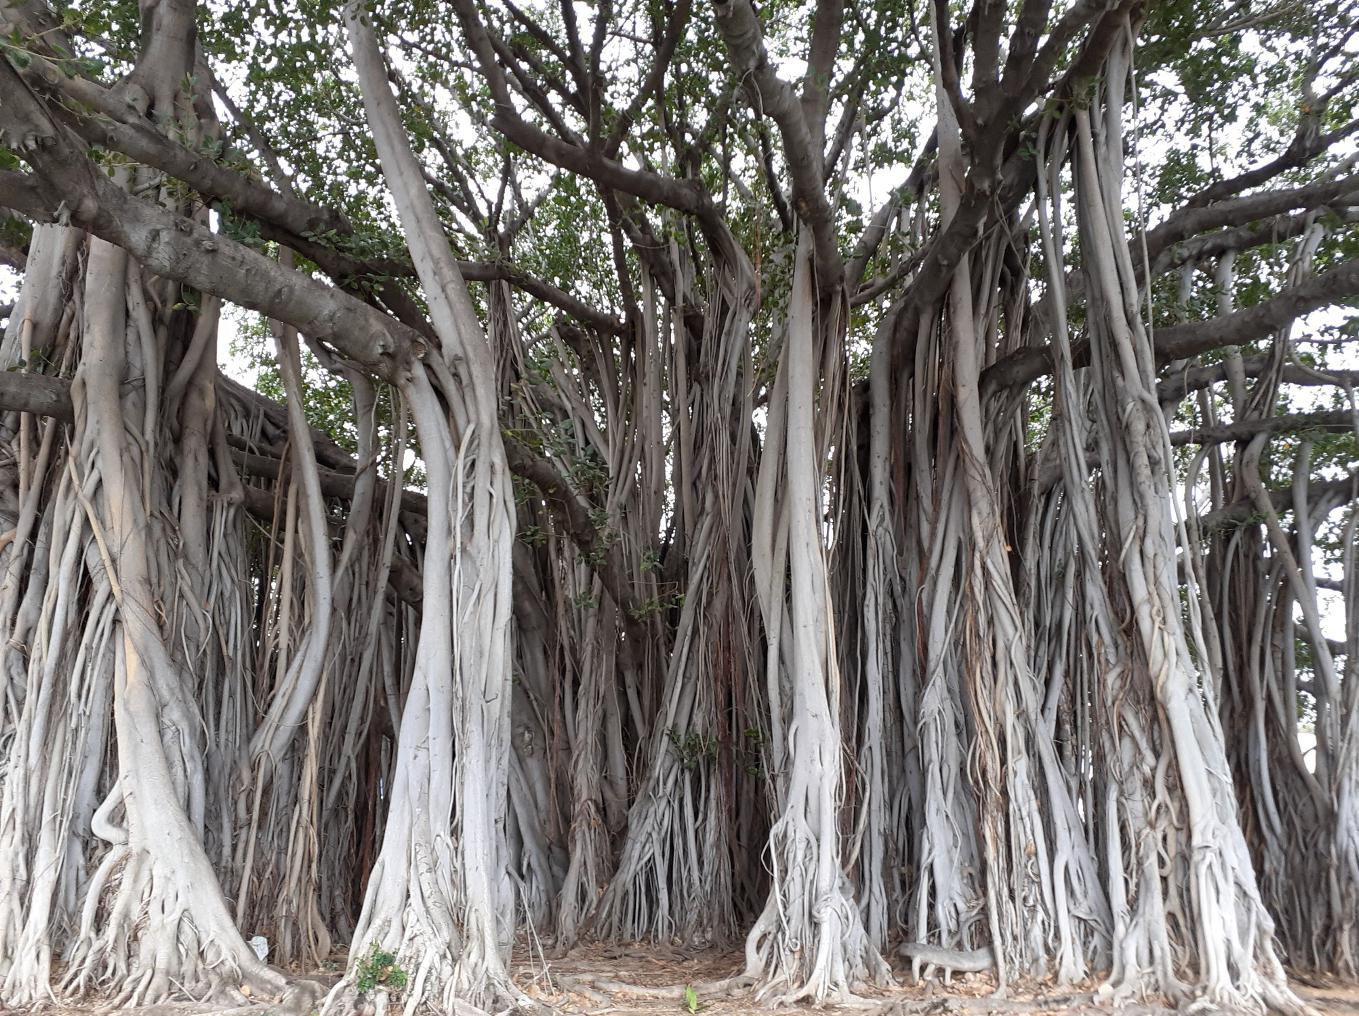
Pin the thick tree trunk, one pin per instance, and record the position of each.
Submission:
(438, 898)
(1040, 871)
(810, 940)
(151, 918)
(1235, 959)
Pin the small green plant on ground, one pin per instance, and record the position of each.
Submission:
(379, 970)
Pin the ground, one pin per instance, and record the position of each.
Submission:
(594, 980)
(669, 967)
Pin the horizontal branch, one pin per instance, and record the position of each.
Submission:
(51, 397)
(43, 395)
(1272, 230)
(1178, 342)
(333, 484)
(1196, 232)
(37, 394)
(1181, 383)
(1337, 422)
(177, 248)
(295, 221)
(1244, 510)
(403, 578)
(1189, 222)
(499, 271)
(1182, 341)
(1307, 144)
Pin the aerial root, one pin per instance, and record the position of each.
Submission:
(1273, 999)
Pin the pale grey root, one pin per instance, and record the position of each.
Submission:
(972, 961)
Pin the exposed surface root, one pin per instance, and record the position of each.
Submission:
(990, 1004)
(140, 943)
(725, 986)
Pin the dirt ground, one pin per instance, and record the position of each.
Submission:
(610, 980)
(592, 981)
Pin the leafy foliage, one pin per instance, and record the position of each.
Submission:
(379, 970)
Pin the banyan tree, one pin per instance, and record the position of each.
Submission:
(820, 480)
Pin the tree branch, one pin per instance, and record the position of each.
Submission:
(1243, 511)
(1177, 386)
(51, 397)
(574, 517)
(816, 83)
(177, 248)
(1194, 219)
(740, 28)
(1178, 342)
(683, 195)
(1330, 422)
(297, 222)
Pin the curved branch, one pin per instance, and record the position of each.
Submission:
(574, 518)
(71, 191)
(1195, 219)
(1273, 229)
(296, 222)
(498, 271)
(51, 397)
